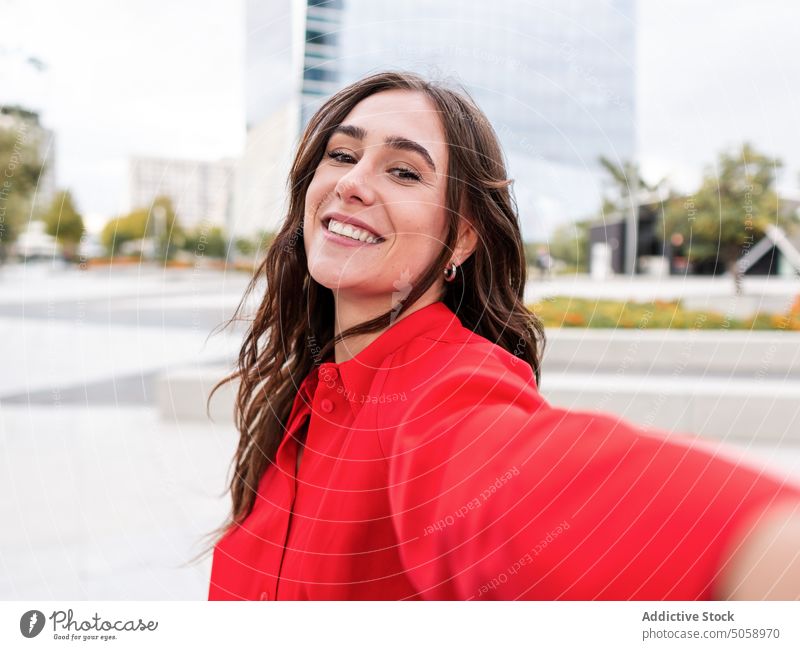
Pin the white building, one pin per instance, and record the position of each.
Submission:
(274, 54)
(556, 80)
(201, 192)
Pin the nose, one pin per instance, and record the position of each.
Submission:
(356, 185)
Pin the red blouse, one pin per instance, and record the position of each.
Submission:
(434, 469)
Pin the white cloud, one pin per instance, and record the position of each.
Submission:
(714, 74)
(143, 77)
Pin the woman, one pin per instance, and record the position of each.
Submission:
(393, 442)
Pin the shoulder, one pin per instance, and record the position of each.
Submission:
(453, 372)
(432, 358)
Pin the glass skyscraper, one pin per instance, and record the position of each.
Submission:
(556, 79)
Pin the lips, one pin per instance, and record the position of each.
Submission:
(358, 223)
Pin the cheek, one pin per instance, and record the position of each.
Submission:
(322, 184)
(419, 242)
(426, 230)
(313, 194)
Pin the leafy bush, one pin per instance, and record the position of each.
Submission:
(564, 311)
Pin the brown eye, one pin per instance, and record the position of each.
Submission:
(407, 174)
(339, 155)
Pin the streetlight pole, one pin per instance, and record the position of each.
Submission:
(632, 225)
(158, 213)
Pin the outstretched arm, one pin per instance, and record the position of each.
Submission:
(497, 495)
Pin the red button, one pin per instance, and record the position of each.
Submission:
(326, 405)
(264, 595)
(329, 373)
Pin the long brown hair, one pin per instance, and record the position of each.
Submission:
(293, 328)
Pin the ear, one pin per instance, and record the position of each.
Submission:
(466, 242)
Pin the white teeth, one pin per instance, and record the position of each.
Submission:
(347, 230)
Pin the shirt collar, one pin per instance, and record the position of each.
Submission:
(356, 374)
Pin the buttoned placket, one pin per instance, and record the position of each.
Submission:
(287, 452)
(285, 463)
(290, 456)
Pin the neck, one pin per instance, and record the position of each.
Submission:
(353, 311)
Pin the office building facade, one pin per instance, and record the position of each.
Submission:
(556, 80)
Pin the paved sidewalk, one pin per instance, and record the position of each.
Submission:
(101, 498)
(107, 503)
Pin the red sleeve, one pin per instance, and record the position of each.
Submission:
(496, 495)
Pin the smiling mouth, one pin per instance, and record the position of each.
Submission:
(351, 232)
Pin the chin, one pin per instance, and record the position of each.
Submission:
(361, 283)
(329, 277)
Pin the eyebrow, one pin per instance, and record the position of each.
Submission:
(392, 141)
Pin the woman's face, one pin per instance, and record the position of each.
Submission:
(384, 168)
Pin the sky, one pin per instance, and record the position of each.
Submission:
(711, 74)
(167, 79)
(124, 78)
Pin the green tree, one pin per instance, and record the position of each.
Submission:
(207, 241)
(257, 245)
(20, 169)
(128, 227)
(158, 223)
(63, 221)
(165, 228)
(570, 243)
(245, 247)
(722, 220)
(622, 177)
